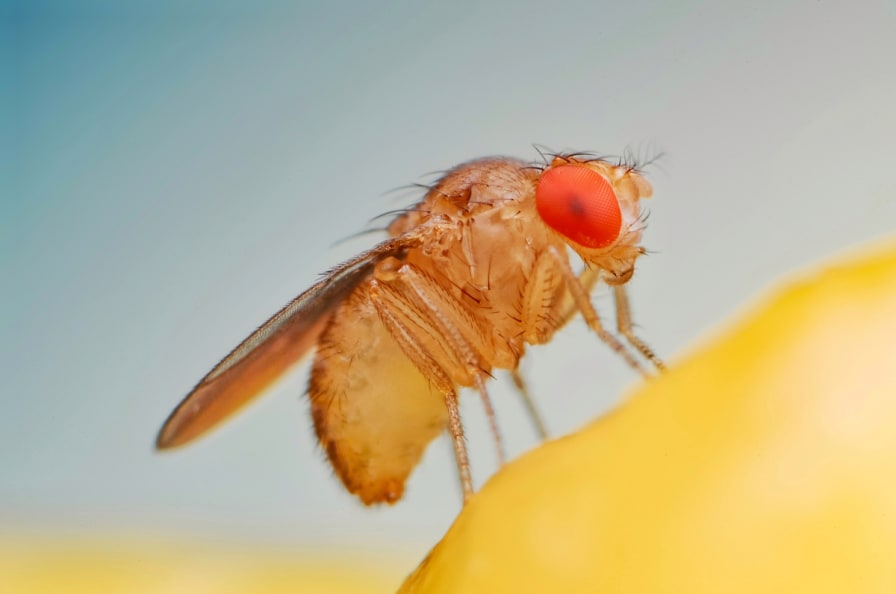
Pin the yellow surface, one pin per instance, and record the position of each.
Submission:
(76, 566)
(764, 462)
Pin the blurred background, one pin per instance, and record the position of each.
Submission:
(171, 173)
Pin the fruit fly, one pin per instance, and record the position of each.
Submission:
(469, 276)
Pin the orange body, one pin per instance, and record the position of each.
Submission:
(477, 270)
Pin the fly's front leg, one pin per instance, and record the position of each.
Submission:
(588, 278)
(583, 302)
(624, 325)
(545, 306)
(442, 338)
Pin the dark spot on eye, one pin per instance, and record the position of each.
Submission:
(575, 206)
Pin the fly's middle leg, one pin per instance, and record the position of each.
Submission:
(537, 420)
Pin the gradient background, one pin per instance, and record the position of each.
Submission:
(174, 172)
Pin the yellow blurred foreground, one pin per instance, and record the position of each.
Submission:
(96, 566)
(763, 462)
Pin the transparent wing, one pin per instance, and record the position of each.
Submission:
(271, 350)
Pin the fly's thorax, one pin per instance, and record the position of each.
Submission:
(481, 183)
(467, 189)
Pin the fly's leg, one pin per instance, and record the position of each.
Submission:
(529, 403)
(492, 419)
(583, 303)
(442, 338)
(542, 305)
(544, 308)
(467, 343)
(624, 325)
(400, 323)
(588, 278)
(456, 428)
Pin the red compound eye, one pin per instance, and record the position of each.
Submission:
(579, 203)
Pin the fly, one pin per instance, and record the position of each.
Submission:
(476, 271)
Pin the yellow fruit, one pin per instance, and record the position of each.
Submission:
(763, 462)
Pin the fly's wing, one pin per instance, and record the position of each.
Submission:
(271, 350)
(373, 411)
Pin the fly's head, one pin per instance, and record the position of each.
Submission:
(594, 207)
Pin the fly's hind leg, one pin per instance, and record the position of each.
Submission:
(402, 328)
(624, 325)
(456, 428)
(442, 339)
